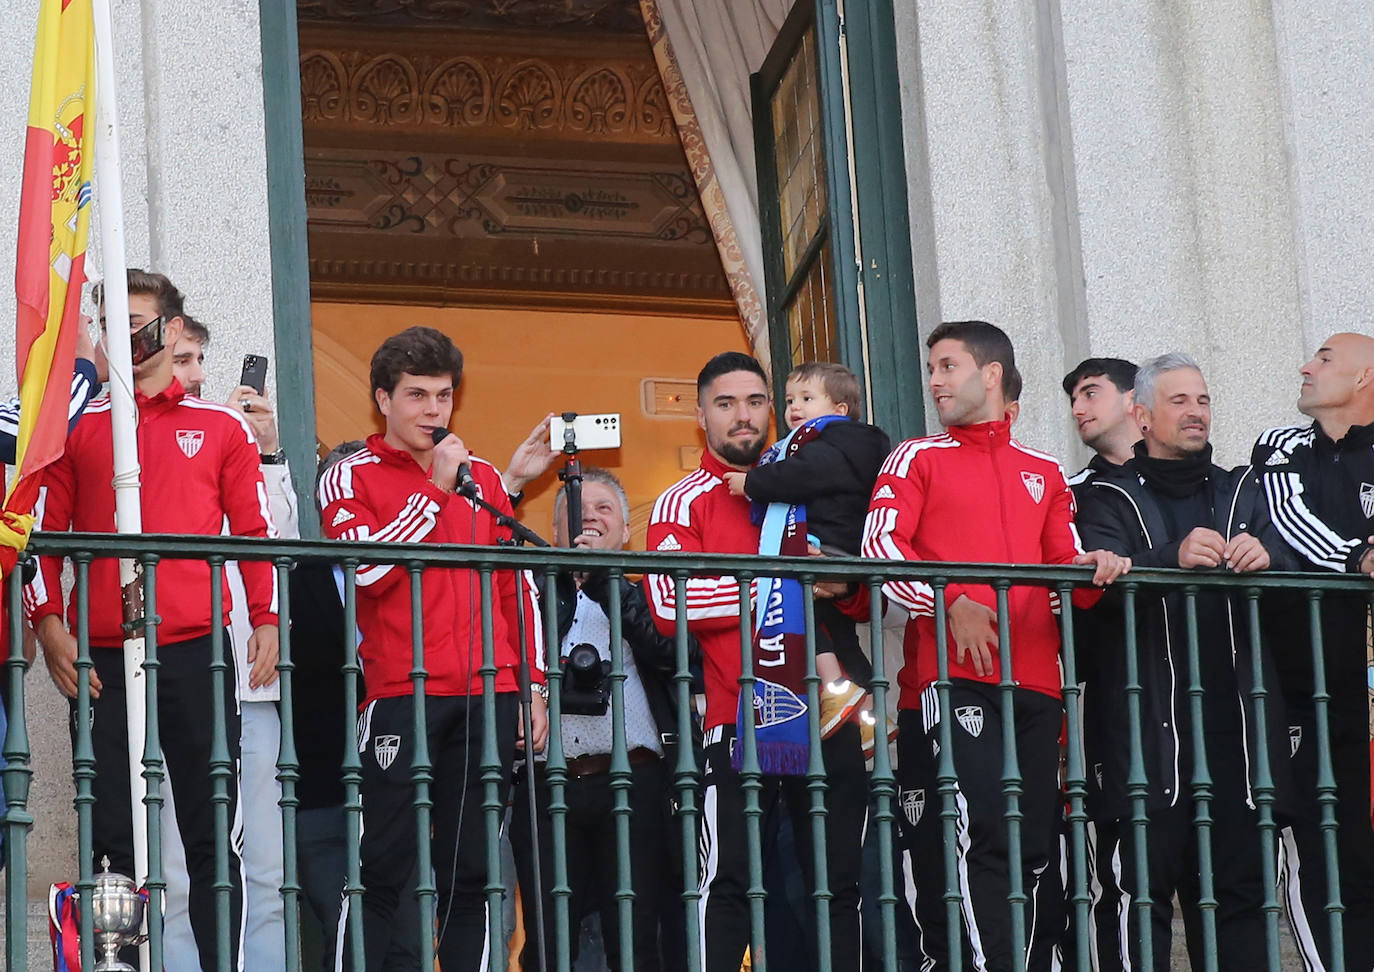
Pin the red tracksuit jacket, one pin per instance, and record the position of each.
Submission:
(975, 494)
(200, 466)
(381, 494)
(696, 515)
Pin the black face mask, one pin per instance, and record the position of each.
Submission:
(1174, 477)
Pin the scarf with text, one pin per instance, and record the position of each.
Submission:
(781, 731)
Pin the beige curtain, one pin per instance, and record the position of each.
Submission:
(706, 50)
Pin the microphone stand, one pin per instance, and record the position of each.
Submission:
(523, 534)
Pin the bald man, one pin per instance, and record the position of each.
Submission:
(1319, 482)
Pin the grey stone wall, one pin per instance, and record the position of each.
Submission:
(195, 196)
(1133, 178)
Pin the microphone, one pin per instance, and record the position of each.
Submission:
(466, 484)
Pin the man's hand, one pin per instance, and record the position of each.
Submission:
(735, 482)
(59, 654)
(1367, 561)
(1201, 548)
(449, 454)
(974, 627)
(820, 589)
(539, 721)
(258, 411)
(262, 656)
(531, 458)
(1245, 553)
(1109, 565)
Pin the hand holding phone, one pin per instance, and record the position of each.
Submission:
(254, 373)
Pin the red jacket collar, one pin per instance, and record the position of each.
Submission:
(714, 466)
(170, 395)
(391, 456)
(983, 435)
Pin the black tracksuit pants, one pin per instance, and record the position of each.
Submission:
(184, 703)
(1172, 854)
(724, 850)
(458, 832)
(592, 861)
(981, 842)
(1302, 863)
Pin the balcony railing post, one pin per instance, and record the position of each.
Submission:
(288, 770)
(421, 768)
(1013, 788)
(17, 774)
(1202, 786)
(948, 781)
(751, 778)
(884, 781)
(621, 781)
(153, 773)
(1137, 783)
(685, 779)
(1075, 787)
(816, 779)
(352, 772)
(1326, 783)
(492, 805)
(1264, 789)
(83, 757)
(221, 767)
(556, 773)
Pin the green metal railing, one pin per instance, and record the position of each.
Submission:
(686, 775)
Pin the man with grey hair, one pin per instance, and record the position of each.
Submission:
(649, 664)
(1170, 506)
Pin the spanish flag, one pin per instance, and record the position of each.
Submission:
(54, 222)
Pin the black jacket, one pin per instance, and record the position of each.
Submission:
(833, 475)
(319, 712)
(1119, 512)
(1320, 495)
(655, 655)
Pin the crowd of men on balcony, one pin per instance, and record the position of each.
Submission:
(1151, 497)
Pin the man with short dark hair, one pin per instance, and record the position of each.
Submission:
(1319, 482)
(405, 487)
(1100, 391)
(200, 467)
(1169, 506)
(976, 494)
(699, 514)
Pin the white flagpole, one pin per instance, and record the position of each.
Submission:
(123, 411)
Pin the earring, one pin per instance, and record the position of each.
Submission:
(1144, 428)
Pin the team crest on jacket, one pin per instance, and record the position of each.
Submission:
(913, 805)
(971, 718)
(1035, 485)
(1294, 740)
(189, 441)
(385, 748)
(1367, 499)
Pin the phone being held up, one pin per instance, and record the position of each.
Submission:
(254, 372)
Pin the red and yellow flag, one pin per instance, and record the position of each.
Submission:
(54, 222)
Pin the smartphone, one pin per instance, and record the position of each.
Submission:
(146, 341)
(254, 372)
(600, 431)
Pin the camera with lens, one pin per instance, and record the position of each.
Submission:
(586, 681)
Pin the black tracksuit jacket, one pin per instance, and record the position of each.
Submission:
(1119, 512)
(1320, 495)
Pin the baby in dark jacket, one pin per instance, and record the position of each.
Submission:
(833, 475)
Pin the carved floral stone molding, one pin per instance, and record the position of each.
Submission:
(621, 16)
(557, 96)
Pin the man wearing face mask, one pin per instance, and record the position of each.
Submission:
(649, 715)
(1169, 506)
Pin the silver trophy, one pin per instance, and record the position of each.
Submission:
(117, 915)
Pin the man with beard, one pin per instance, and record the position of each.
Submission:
(976, 494)
(696, 515)
(1319, 481)
(1169, 506)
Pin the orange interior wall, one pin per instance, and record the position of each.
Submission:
(520, 365)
